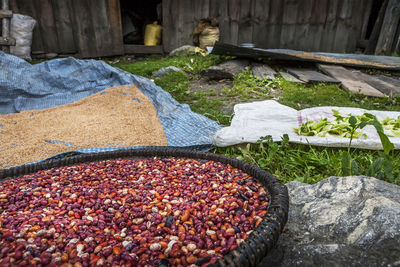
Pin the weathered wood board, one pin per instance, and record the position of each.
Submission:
(263, 71)
(390, 84)
(389, 27)
(364, 61)
(311, 76)
(143, 49)
(395, 82)
(7, 41)
(350, 80)
(290, 78)
(5, 14)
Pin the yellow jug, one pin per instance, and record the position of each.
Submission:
(152, 35)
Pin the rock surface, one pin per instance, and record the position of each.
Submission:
(340, 221)
(164, 71)
(183, 51)
(226, 70)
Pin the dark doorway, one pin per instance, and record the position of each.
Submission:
(136, 15)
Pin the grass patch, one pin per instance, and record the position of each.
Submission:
(246, 86)
(303, 163)
(191, 64)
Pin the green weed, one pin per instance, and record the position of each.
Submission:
(246, 86)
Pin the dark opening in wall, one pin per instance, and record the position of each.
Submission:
(136, 15)
(376, 7)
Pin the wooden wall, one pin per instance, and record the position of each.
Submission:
(92, 28)
(309, 25)
(85, 28)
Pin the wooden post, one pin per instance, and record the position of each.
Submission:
(389, 28)
(5, 25)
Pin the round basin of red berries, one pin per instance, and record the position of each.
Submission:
(144, 207)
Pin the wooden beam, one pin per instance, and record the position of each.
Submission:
(143, 49)
(5, 33)
(7, 41)
(389, 28)
(311, 76)
(290, 78)
(350, 81)
(5, 14)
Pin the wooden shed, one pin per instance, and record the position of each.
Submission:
(95, 28)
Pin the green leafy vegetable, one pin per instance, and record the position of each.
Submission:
(342, 126)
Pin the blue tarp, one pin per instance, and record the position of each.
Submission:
(61, 81)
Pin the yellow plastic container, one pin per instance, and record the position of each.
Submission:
(152, 34)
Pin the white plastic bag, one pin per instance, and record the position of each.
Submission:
(258, 119)
(21, 29)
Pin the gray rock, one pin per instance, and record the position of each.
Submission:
(340, 221)
(226, 70)
(185, 50)
(163, 71)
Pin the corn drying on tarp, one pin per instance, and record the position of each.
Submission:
(62, 81)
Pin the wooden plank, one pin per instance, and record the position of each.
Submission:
(115, 24)
(143, 49)
(83, 28)
(386, 87)
(5, 13)
(290, 78)
(63, 23)
(342, 32)
(389, 28)
(263, 71)
(101, 27)
(167, 25)
(273, 24)
(373, 39)
(359, 60)
(311, 76)
(328, 35)
(7, 41)
(234, 16)
(317, 24)
(396, 46)
(260, 22)
(245, 30)
(394, 82)
(46, 23)
(354, 24)
(185, 28)
(5, 33)
(350, 81)
(303, 36)
(171, 23)
(219, 10)
(291, 9)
